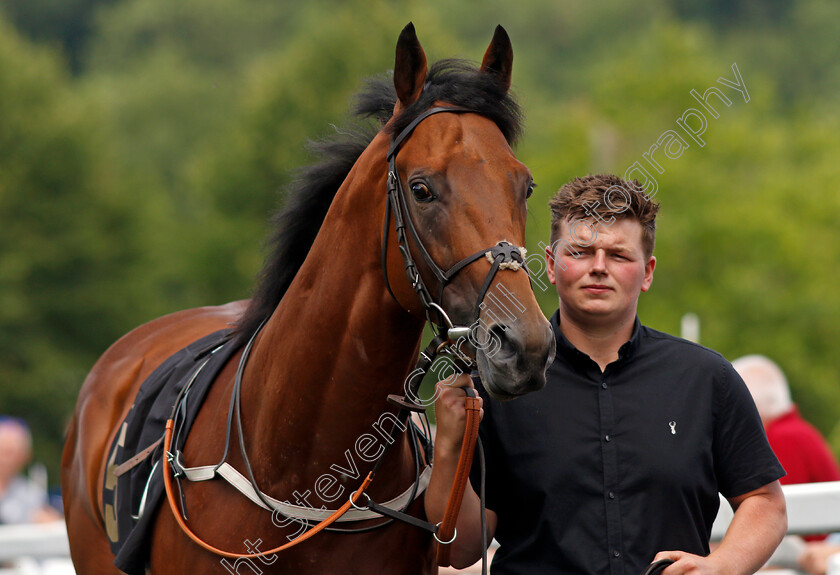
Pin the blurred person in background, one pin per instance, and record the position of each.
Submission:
(801, 449)
(21, 499)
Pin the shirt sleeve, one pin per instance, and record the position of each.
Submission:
(743, 458)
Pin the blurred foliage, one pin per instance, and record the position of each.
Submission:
(143, 144)
(66, 24)
(69, 242)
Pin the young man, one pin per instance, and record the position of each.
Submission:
(619, 460)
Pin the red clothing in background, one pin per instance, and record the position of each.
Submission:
(801, 450)
(803, 453)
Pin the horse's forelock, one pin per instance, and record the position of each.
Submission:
(461, 83)
(456, 82)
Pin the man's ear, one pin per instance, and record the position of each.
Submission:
(549, 264)
(649, 266)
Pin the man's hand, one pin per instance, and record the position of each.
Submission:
(450, 414)
(451, 418)
(687, 563)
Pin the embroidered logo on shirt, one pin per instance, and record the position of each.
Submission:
(673, 426)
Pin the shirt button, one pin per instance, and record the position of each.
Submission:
(603, 385)
(607, 438)
(611, 495)
(616, 553)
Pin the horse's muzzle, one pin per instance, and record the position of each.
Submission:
(513, 360)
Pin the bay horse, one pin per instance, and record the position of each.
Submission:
(338, 334)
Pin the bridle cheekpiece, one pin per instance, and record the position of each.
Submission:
(503, 255)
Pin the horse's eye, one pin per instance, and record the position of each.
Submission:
(421, 192)
(530, 190)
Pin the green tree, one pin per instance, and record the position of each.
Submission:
(67, 243)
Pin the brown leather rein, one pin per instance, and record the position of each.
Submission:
(446, 532)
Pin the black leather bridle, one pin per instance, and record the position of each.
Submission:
(502, 252)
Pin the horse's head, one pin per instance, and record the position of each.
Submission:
(462, 194)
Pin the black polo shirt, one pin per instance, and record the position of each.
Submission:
(598, 472)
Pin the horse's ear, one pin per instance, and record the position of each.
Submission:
(409, 67)
(498, 59)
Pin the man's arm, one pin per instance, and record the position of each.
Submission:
(756, 530)
(451, 419)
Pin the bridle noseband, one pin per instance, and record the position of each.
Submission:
(502, 253)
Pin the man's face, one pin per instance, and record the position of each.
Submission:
(14, 450)
(601, 283)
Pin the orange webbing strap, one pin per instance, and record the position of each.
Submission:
(167, 481)
(446, 532)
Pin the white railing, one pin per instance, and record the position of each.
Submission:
(38, 549)
(811, 508)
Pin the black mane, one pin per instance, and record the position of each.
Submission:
(309, 197)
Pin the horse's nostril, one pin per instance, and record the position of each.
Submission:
(505, 345)
(507, 348)
(513, 359)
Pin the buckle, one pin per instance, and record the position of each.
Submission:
(174, 464)
(454, 535)
(353, 503)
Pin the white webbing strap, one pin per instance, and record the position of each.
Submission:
(243, 485)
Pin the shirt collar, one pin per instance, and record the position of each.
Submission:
(573, 355)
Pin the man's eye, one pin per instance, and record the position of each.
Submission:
(421, 192)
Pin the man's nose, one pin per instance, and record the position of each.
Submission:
(599, 261)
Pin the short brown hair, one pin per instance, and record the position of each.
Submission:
(603, 196)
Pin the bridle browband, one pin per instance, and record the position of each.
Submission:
(501, 253)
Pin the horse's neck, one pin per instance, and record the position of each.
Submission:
(338, 343)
